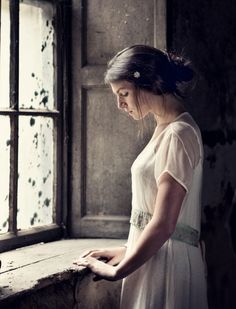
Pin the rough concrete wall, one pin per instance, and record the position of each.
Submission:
(56, 296)
(206, 31)
(79, 293)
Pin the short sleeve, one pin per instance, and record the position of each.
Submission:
(178, 155)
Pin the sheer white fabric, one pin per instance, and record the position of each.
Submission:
(174, 277)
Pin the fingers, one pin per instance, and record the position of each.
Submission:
(86, 253)
(95, 253)
(102, 255)
(81, 262)
(86, 262)
(84, 258)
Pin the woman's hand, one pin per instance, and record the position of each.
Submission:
(104, 270)
(99, 268)
(112, 256)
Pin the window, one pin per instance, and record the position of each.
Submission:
(33, 111)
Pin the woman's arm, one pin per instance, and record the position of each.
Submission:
(167, 207)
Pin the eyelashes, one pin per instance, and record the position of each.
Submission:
(125, 94)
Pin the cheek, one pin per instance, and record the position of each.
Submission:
(135, 103)
(143, 111)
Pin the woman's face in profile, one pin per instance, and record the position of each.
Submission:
(127, 100)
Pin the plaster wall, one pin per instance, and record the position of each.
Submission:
(205, 31)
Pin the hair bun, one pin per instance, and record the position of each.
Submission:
(181, 68)
(151, 69)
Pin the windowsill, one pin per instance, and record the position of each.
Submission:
(34, 267)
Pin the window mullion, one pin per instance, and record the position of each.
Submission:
(58, 135)
(62, 98)
(14, 54)
(13, 175)
(14, 104)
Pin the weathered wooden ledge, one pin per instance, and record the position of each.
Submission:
(29, 269)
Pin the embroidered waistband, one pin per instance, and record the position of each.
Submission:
(183, 232)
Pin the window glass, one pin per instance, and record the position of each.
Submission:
(4, 54)
(36, 170)
(36, 51)
(4, 172)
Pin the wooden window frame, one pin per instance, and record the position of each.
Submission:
(16, 238)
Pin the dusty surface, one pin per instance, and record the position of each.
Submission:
(34, 267)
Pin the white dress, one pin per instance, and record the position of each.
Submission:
(174, 277)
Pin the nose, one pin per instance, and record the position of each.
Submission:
(120, 103)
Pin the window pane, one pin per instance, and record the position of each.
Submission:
(4, 172)
(4, 54)
(36, 55)
(36, 170)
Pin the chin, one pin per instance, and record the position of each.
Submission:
(136, 117)
(139, 117)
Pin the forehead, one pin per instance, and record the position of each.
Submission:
(116, 86)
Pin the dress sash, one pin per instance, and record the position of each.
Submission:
(183, 232)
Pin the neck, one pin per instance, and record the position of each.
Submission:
(167, 109)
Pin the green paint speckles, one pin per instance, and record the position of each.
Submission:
(35, 140)
(40, 193)
(45, 178)
(32, 220)
(47, 202)
(32, 121)
(5, 223)
(44, 45)
(43, 91)
(44, 100)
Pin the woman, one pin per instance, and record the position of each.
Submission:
(162, 264)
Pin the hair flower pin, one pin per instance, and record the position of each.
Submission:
(136, 74)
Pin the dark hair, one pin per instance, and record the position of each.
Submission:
(151, 69)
